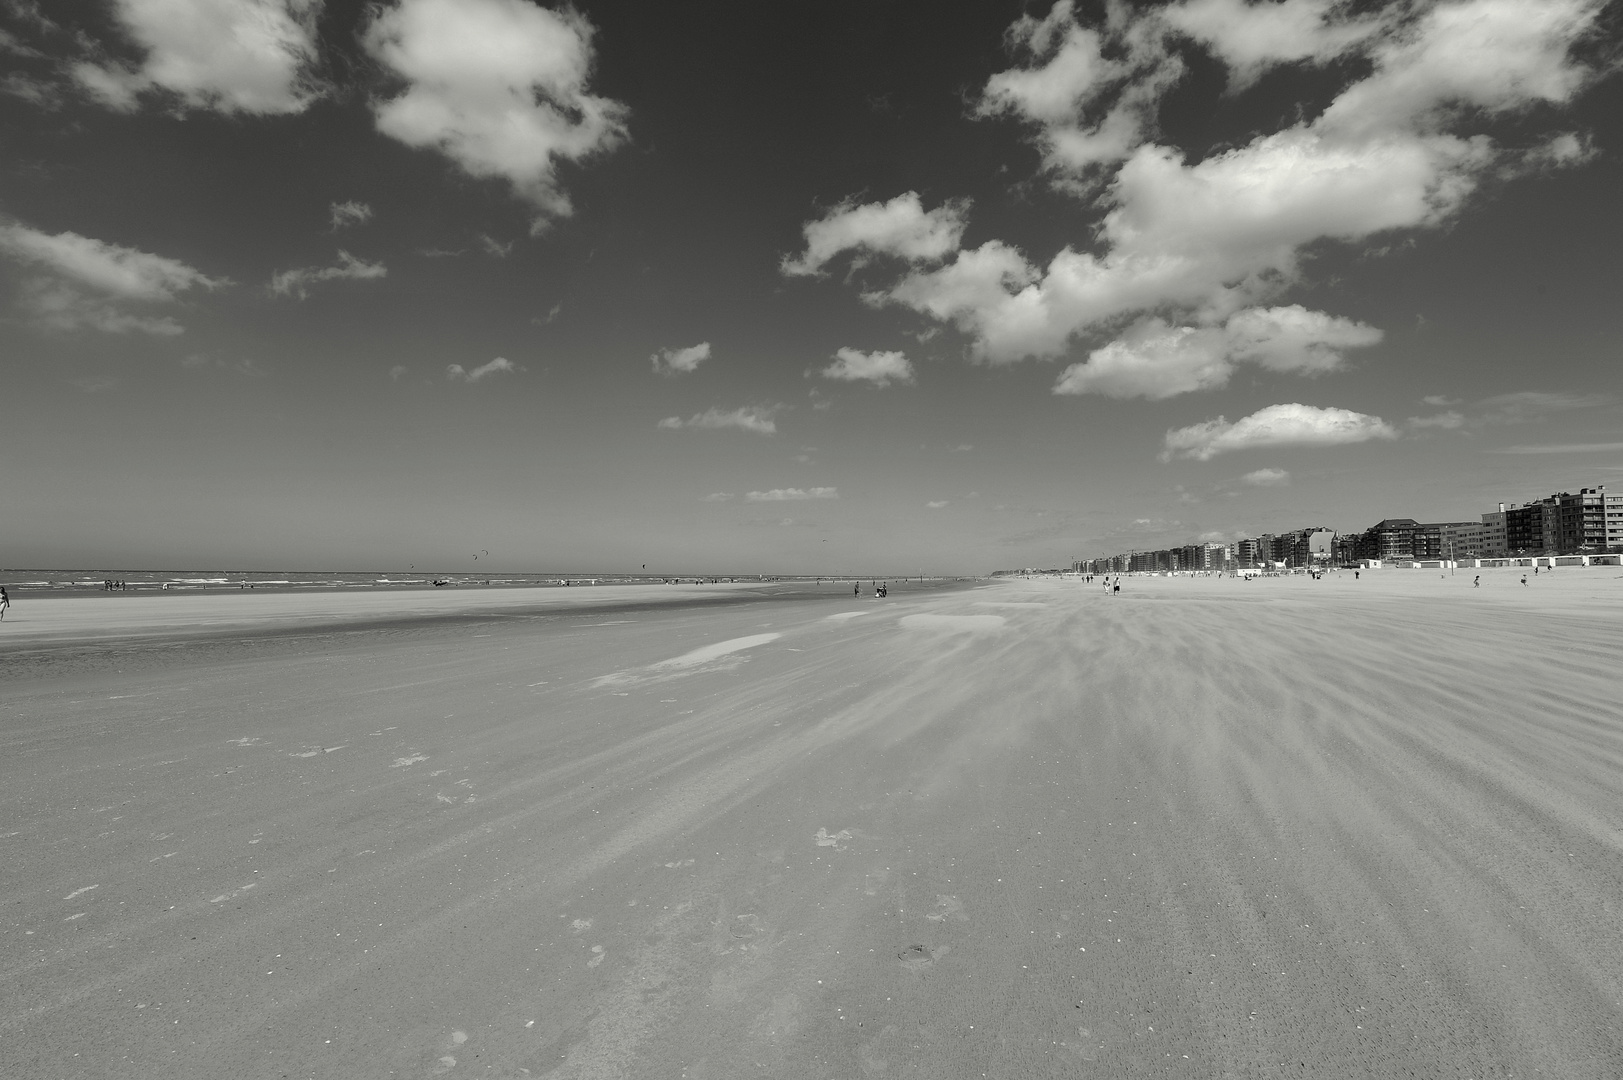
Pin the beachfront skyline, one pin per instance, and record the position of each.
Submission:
(794, 290)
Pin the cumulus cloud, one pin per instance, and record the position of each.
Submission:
(1090, 109)
(297, 283)
(499, 366)
(748, 418)
(680, 361)
(352, 212)
(879, 368)
(1156, 360)
(1252, 37)
(497, 86)
(901, 228)
(793, 494)
(1192, 254)
(79, 282)
(1267, 478)
(231, 56)
(1276, 425)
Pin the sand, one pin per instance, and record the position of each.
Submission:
(1204, 828)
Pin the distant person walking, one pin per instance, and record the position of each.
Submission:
(5, 601)
(1477, 584)
(1524, 579)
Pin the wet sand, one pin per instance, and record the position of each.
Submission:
(1204, 828)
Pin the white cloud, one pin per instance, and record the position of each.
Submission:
(499, 87)
(1156, 360)
(793, 494)
(1526, 405)
(1152, 360)
(397, 371)
(1492, 55)
(748, 418)
(352, 212)
(1075, 72)
(1563, 448)
(1195, 243)
(879, 368)
(118, 271)
(719, 496)
(1071, 75)
(1276, 425)
(498, 366)
(495, 248)
(680, 361)
(79, 282)
(1205, 238)
(1267, 478)
(1250, 38)
(1448, 420)
(1293, 338)
(232, 56)
(900, 228)
(298, 282)
(936, 504)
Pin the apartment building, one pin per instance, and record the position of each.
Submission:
(1493, 534)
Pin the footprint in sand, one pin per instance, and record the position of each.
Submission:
(834, 840)
(918, 958)
(947, 907)
(447, 1060)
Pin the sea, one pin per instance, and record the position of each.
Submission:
(96, 580)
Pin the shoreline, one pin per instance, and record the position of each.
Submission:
(46, 621)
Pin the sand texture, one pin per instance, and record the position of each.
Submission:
(1205, 828)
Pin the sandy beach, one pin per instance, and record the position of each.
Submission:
(1203, 828)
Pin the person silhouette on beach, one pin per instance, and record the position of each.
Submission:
(1524, 579)
(1477, 584)
(856, 588)
(5, 601)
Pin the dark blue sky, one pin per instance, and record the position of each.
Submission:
(1003, 287)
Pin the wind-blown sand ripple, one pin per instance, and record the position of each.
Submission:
(1285, 827)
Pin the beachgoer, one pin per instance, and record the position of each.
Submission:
(856, 588)
(1477, 584)
(1355, 575)
(1524, 579)
(5, 601)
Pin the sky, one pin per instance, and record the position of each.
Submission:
(836, 288)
